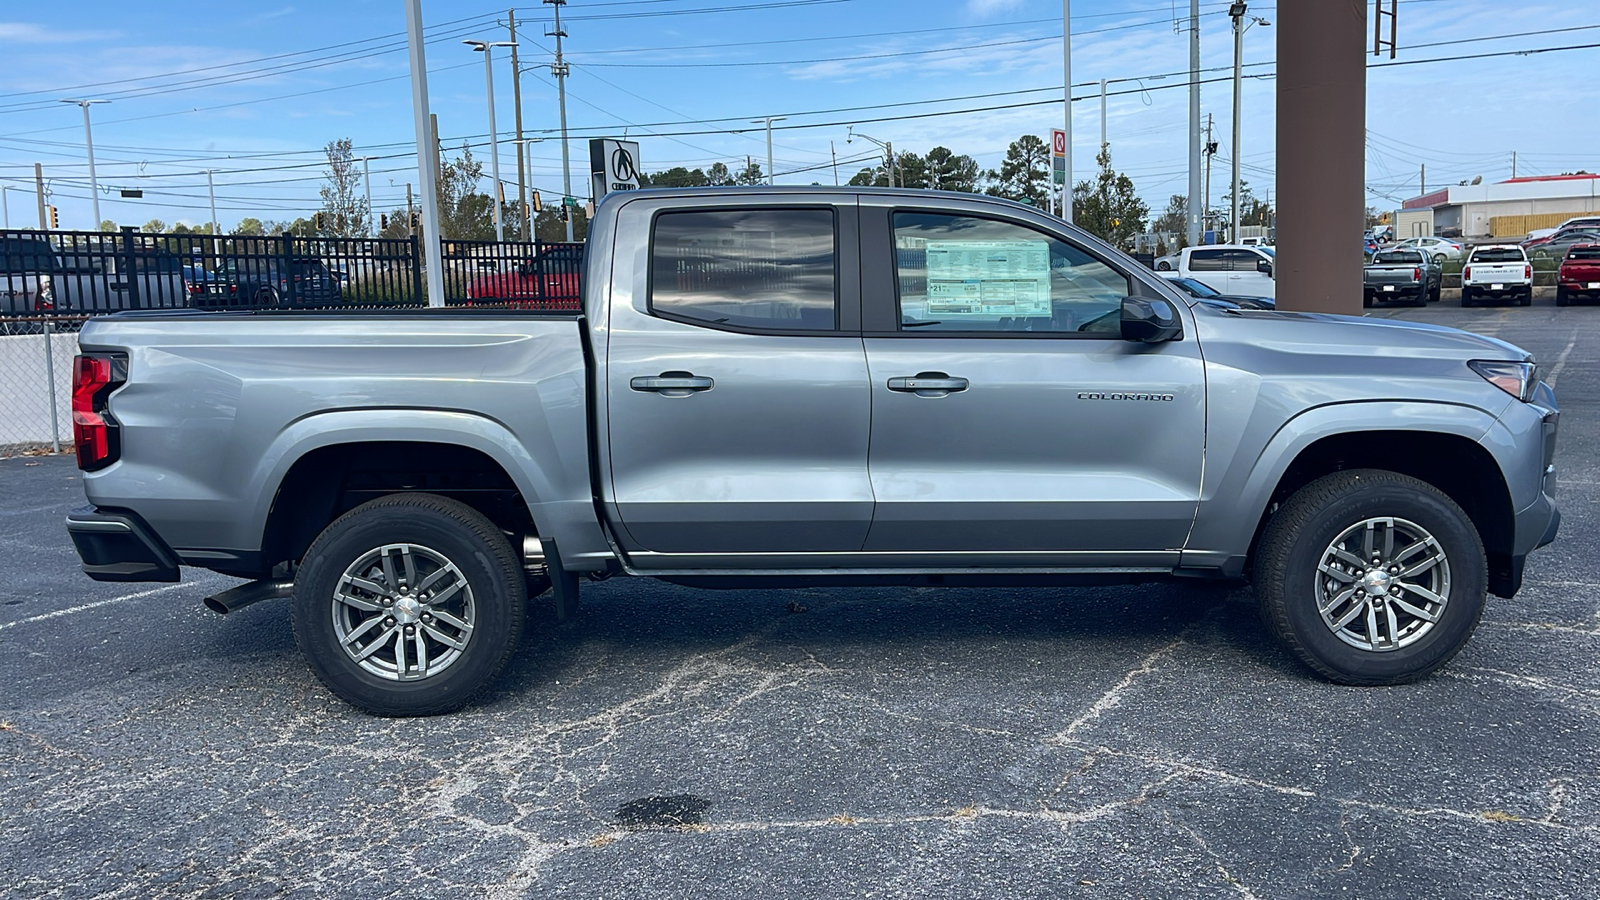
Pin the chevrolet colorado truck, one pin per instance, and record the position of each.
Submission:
(792, 386)
(1497, 272)
(1401, 273)
(1579, 275)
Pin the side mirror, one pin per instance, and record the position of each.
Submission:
(1264, 266)
(1150, 320)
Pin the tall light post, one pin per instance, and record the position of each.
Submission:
(888, 148)
(769, 120)
(1066, 96)
(487, 49)
(1194, 123)
(525, 149)
(1237, 13)
(88, 144)
(5, 204)
(366, 178)
(432, 250)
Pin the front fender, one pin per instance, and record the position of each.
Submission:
(1235, 492)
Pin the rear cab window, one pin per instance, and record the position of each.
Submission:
(1584, 252)
(1400, 257)
(770, 269)
(1499, 255)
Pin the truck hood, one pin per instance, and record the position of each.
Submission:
(1389, 336)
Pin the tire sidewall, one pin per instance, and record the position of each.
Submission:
(1468, 582)
(496, 604)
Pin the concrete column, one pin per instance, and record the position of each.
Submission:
(1322, 124)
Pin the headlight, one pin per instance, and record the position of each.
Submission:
(1515, 378)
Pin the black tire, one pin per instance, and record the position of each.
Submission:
(490, 595)
(1526, 299)
(1366, 301)
(1304, 529)
(1561, 297)
(1466, 297)
(1422, 297)
(1163, 267)
(1433, 295)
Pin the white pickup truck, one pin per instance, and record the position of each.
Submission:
(1227, 268)
(1499, 272)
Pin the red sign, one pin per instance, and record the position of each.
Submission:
(1058, 142)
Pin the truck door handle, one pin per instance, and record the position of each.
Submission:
(928, 384)
(672, 384)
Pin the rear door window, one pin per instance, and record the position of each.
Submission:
(1208, 261)
(769, 269)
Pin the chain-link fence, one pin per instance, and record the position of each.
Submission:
(36, 383)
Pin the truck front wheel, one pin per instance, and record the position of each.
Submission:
(1371, 577)
(409, 605)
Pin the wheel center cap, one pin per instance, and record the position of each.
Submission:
(407, 610)
(1376, 581)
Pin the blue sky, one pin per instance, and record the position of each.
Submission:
(254, 91)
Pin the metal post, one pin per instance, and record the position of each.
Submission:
(494, 143)
(560, 69)
(211, 193)
(50, 383)
(1422, 180)
(1066, 96)
(127, 264)
(430, 188)
(516, 102)
(38, 186)
(1513, 164)
(1194, 122)
(1236, 11)
(769, 120)
(832, 154)
(888, 147)
(1102, 115)
(1205, 211)
(88, 143)
(1321, 131)
(5, 203)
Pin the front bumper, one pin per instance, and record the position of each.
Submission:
(116, 545)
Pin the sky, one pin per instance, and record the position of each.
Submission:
(254, 91)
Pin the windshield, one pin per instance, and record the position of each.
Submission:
(1195, 287)
(1268, 251)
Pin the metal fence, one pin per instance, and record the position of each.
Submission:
(92, 273)
(51, 282)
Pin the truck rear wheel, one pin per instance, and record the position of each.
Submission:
(409, 605)
(1561, 297)
(1371, 577)
(1466, 296)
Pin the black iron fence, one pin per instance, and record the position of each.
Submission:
(78, 273)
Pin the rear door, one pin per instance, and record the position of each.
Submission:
(1210, 266)
(1245, 277)
(1011, 424)
(736, 384)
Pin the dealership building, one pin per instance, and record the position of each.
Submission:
(1504, 209)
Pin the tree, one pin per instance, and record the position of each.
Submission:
(250, 225)
(398, 226)
(1108, 206)
(154, 226)
(464, 214)
(107, 225)
(950, 172)
(751, 174)
(1024, 175)
(873, 177)
(677, 176)
(717, 175)
(345, 212)
(547, 225)
(1176, 217)
(911, 171)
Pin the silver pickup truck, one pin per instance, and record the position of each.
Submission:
(813, 386)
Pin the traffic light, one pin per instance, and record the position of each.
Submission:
(566, 213)
(320, 220)
(538, 205)
(416, 220)
(383, 221)
(55, 222)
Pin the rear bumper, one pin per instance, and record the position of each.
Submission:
(116, 545)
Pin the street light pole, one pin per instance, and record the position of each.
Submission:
(1066, 91)
(560, 70)
(366, 177)
(432, 250)
(888, 149)
(487, 49)
(769, 120)
(88, 143)
(1236, 12)
(1194, 122)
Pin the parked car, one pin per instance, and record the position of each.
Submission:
(1438, 249)
(714, 417)
(88, 279)
(1574, 222)
(1229, 268)
(552, 280)
(1401, 274)
(261, 281)
(1498, 272)
(1167, 263)
(1579, 275)
(1555, 246)
(1196, 289)
(1369, 246)
(27, 264)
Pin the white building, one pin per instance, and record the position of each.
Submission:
(1504, 209)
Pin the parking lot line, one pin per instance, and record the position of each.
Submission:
(88, 606)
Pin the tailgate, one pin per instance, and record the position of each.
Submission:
(1380, 275)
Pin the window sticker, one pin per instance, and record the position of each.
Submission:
(988, 278)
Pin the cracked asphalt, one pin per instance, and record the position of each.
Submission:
(1111, 742)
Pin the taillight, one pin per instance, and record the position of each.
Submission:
(1466, 273)
(1527, 272)
(94, 431)
(1416, 274)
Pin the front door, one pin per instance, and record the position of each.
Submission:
(737, 397)
(1009, 418)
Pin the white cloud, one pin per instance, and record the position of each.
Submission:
(986, 8)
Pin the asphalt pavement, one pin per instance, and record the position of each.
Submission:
(1113, 742)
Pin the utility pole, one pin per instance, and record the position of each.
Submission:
(1422, 180)
(835, 157)
(516, 102)
(432, 251)
(1194, 122)
(5, 203)
(409, 208)
(1513, 164)
(560, 70)
(366, 178)
(211, 194)
(1102, 115)
(88, 144)
(769, 120)
(1211, 151)
(38, 186)
(436, 148)
(1066, 98)
(1236, 12)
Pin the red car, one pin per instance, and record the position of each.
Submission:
(1579, 276)
(553, 280)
